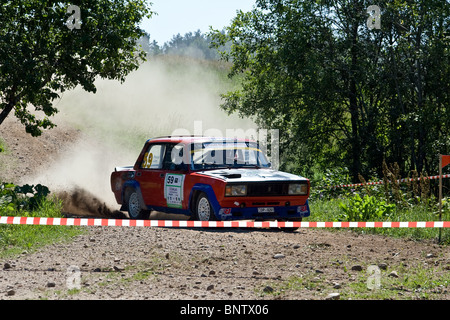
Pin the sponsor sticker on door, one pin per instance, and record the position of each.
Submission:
(173, 190)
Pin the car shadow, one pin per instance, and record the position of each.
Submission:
(169, 216)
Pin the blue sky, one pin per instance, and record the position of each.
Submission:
(182, 16)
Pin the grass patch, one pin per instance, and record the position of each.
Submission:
(329, 210)
(419, 282)
(413, 283)
(308, 282)
(15, 239)
(2, 145)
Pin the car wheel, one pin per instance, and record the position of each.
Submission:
(134, 207)
(203, 209)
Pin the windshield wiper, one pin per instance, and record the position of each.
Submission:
(249, 165)
(204, 166)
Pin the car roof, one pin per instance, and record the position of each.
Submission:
(196, 139)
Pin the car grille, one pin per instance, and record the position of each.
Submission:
(268, 189)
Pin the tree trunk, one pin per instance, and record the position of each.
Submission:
(419, 89)
(11, 100)
(6, 111)
(356, 147)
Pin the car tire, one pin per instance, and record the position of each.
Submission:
(135, 210)
(203, 209)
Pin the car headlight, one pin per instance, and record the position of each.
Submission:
(298, 188)
(236, 190)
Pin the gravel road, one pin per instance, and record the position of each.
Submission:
(171, 264)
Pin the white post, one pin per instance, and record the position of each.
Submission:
(440, 187)
(440, 193)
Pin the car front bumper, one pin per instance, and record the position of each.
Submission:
(263, 213)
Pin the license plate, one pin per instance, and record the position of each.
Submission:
(266, 209)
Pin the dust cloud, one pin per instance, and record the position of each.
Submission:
(79, 202)
(163, 96)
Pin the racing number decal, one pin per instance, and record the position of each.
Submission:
(173, 190)
(148, 159)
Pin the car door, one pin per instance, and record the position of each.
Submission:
(175, 172)
(150, 175)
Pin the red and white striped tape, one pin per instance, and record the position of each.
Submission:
(382, 182)
(215, 224)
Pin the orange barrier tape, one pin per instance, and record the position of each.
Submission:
(382, 182)
(215, 224)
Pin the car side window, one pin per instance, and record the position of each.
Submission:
(173, 158)
(153, 157)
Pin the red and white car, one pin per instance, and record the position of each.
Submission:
(209, 179)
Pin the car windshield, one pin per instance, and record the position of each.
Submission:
(211, 155)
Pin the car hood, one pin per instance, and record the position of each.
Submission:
(252, 175)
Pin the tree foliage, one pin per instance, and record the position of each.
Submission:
(41, 57)
(192, 44)
(340, 93)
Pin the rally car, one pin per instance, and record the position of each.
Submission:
(208, 179)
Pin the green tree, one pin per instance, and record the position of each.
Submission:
(196, 45)
(41, 57)
(343, 94)
(416, 74)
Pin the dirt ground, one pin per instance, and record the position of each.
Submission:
(140, 263)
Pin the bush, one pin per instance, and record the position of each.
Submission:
(29, 201)
(367, 208)
(323, 183)
(15, 198)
